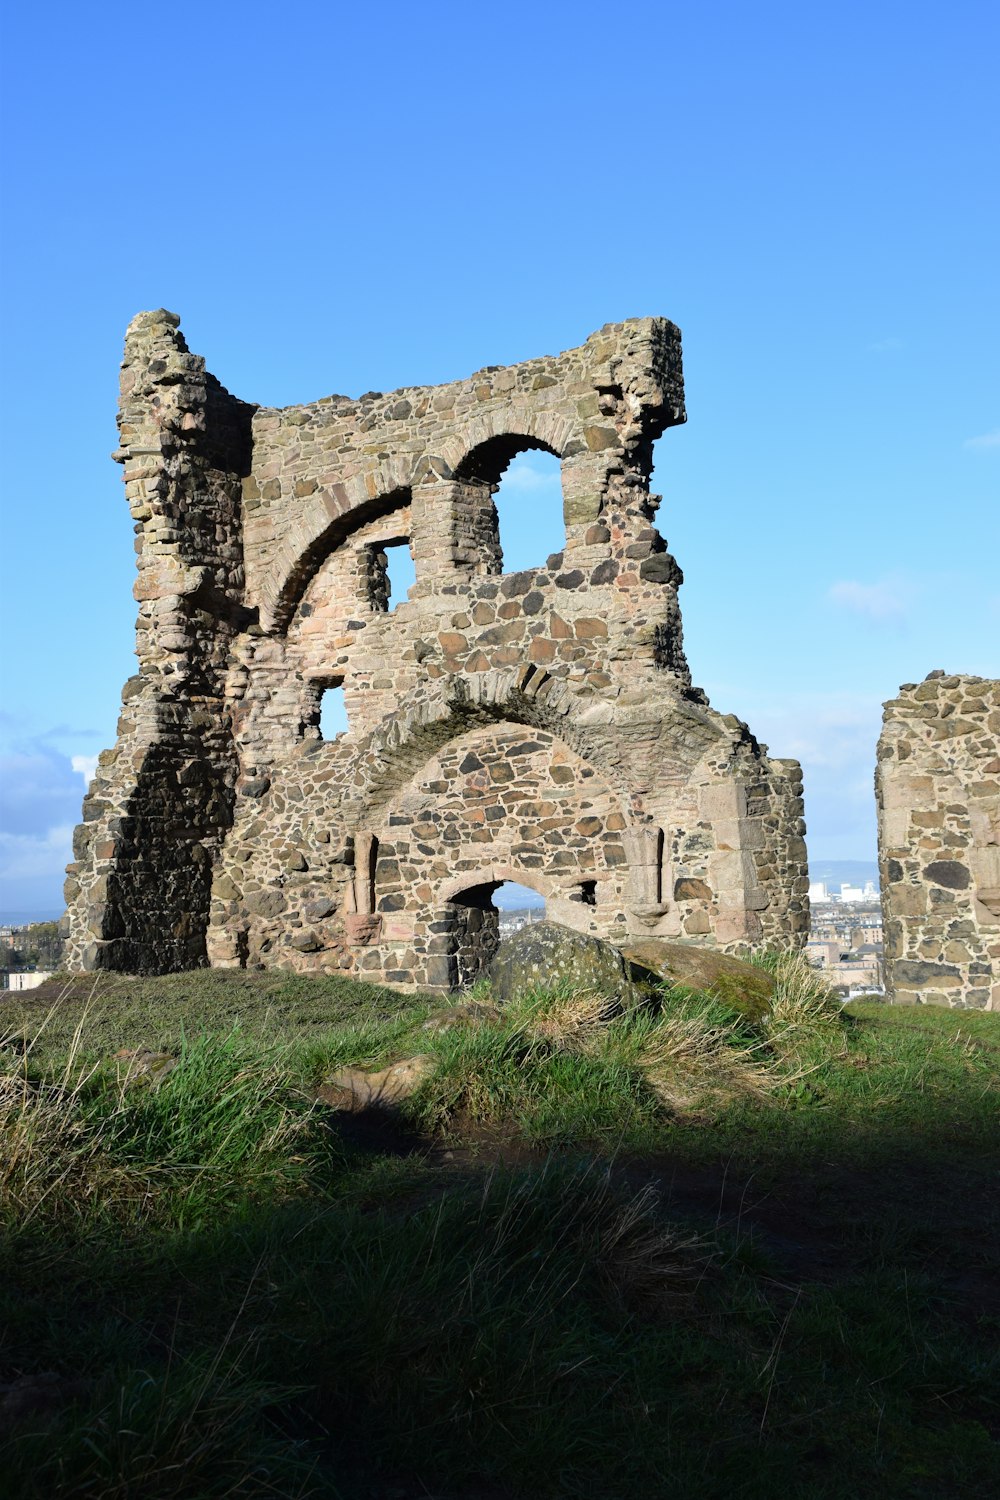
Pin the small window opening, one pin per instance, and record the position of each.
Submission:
(588, 892)
(529, 502)
(332, 711)
(391, 573)
(480, 918)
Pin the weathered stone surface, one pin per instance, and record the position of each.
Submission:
(743, 986)
(948, 872)
(538, 726)
(938, 791)
(543, 955)
(352, 1089)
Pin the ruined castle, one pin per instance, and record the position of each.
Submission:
(537, 726)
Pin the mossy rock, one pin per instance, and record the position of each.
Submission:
(741, 986)
(545, 955)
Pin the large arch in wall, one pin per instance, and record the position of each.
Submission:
(500, 801)
(326, 516)
(333, 527)
(517, 426)
(526, 695)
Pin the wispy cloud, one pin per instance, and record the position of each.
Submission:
(25, 856)
(886, 346)
(833, 735)
(85, 766)
(532, 473)
(31, 871)
(984, 440)
(40, 798)
(886, 600)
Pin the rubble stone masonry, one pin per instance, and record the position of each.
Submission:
(538, 726)
(938, 791)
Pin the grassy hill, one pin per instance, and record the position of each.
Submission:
(602, 1250)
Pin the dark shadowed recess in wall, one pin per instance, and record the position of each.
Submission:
(529, 506)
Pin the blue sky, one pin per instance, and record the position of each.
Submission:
(341, 198)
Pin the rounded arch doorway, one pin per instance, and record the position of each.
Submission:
(480, 916)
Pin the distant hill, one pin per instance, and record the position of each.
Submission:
(837, 872)
(25, 918)
(511, 897)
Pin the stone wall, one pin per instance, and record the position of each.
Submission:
(162, 800)
(938, 791)
(538, 726)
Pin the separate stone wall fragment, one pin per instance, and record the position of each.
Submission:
(938, 791)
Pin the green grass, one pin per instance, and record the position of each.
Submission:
(663, 1250)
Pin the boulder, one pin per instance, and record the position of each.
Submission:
(742, 986)
(545, 954)
(353, 1090)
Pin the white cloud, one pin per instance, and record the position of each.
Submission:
(886, 346)
(32, 871)
(833, 736)
(985, 440)
(23, 856)
(85, 766)
(531, 473)
(884, 600)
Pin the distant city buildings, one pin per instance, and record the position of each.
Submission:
(848, 895)
(845, 937)
(30, 979)
(29, 954)
(513, 920)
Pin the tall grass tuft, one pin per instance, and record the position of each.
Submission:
(198, 1429)
(94, 1141)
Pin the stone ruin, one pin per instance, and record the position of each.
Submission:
(537, 726)
(938, 792)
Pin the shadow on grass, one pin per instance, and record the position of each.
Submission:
(795, 1294)
(377, 1131)
(555, 1330)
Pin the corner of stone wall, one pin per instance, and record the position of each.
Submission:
(161, 802)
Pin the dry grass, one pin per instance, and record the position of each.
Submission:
(805, 1027)
(687, 1057)
(112, 1139)
(643, 1259)
(52, 1161)
(569, 1019)
(689, 1061)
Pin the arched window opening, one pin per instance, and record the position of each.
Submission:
(484, 915)
(391, 573)
(332, 716)
(511, 495)
(328, 541)
(529, 507)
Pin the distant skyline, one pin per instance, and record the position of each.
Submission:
(336, 199)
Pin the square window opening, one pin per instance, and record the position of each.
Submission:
(391, 573)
